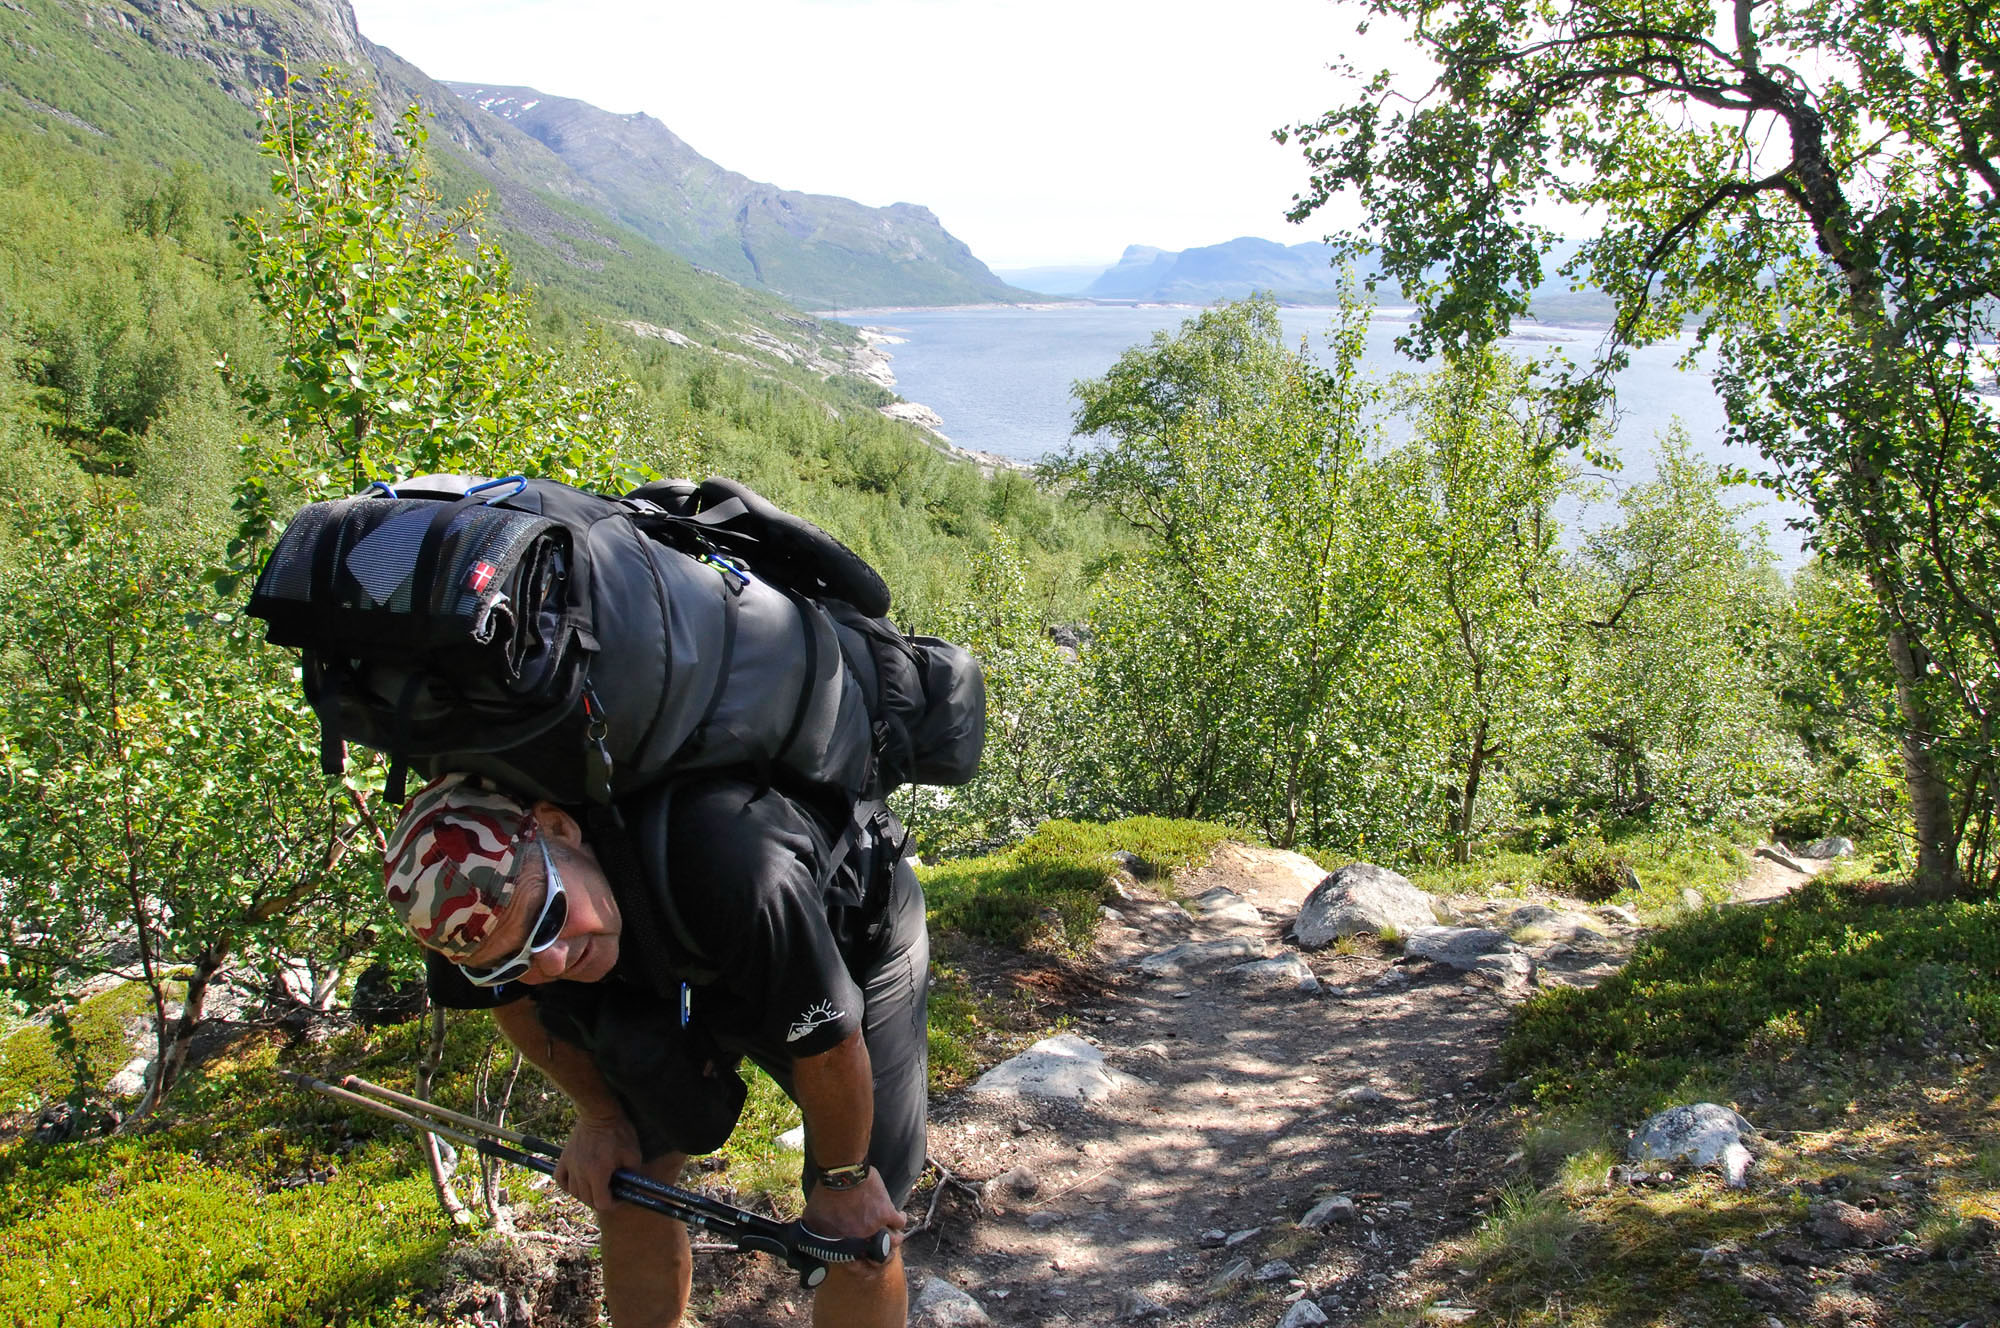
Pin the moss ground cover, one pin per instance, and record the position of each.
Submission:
(35, 1067)
(1045, 891)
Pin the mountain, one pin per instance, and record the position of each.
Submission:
(156, 82)
(1301, 273)
(814, 249)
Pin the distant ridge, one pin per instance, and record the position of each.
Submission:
(814, 249)
(1301, 273)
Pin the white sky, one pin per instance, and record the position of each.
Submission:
(1039, 131)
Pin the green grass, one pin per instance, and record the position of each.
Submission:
(1044, 893)
(1666, 862)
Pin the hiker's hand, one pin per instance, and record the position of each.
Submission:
(597, 1147)
(861, 1211)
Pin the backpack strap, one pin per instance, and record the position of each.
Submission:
(666, 950)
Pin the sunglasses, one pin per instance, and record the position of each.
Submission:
(555, 912)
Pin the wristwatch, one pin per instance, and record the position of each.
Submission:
(842, 1178)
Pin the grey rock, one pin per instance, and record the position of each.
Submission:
(1833, 846)
(1361, 897)
(1109, 914)
(1337, 1211)
(1286, 971)
(1023, 1127)
(1135, 1305)
(1395, 977)
(1062, 1067)
(1238, 1237)
(1360, 1095)
(793, 1140)
(1020, 1182)
(1457, 947)
(1230, 1276)
(1783, 859)
(1511, 972)
(1303, 1314)
(1043, 1219)
(130, 1081)
(1532, 915)
(1155, 1050)
(1702, 1135)
(1619, 914)
(1277, 1270)
(1631, 877)
(936, 1303)
(1224, 907)
(1188, 955)
(1212, 1239)
(1692, 898)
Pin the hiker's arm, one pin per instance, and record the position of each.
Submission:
(836, 1093)
(603, 1139)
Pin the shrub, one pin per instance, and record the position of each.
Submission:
(1587, 869)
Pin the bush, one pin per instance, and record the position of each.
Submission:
(1829, 969)
(1589, 870)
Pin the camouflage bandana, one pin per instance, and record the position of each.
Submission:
(449, 866)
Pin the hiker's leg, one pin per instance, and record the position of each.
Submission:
(874, 1295)
(647, 1264)
(862, 1295)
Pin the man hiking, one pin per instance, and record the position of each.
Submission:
(734, 921)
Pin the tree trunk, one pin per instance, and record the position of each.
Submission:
(1937, 829)
(434, 1159)
(175, 1043)
(1461, 849)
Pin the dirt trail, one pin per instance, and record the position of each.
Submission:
(1176, 1200)
(1256, 1102)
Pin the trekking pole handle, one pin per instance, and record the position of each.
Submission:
(811, 1253)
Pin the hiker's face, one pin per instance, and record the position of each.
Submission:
(587, 946)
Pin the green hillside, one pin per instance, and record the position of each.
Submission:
(818, 250)
(140, 87)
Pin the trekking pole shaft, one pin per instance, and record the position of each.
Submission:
(356, 1083)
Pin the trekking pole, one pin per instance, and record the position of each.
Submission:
(807, 1252)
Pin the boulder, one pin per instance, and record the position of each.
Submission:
(1361, 897)
(1457, 947)
(1225, 908)
(1783, 859)
(1178, 959)
(1701, 1135)
(1287, 972)
(793, 1140)
(1064, 1067)
(1619, 914)
(1337, 1211)
(1833, 846)
(1511, 971)
(130, 1081)
(1693, 898)
(1303, 1314)
(936, 1303)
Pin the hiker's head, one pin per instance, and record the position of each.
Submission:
(504, 888)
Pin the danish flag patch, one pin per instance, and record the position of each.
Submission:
(480, 577)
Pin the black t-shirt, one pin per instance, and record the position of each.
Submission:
(742, 868)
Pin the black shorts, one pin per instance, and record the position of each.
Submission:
(895, 987)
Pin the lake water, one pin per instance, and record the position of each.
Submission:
(1000, 379)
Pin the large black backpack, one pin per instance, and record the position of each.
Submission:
(579, 647)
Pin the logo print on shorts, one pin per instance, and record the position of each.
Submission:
(480, 577)
(818, 1016)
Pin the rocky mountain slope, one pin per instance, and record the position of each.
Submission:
(817, 250)
(164, 81)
